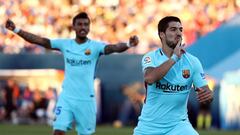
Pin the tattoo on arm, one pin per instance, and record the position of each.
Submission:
(44, 42)
(111, 48)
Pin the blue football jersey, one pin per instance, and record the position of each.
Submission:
(80, 62)
(166, 99)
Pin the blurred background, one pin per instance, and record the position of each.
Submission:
(31, 77)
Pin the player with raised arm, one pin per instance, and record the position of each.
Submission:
(169, 73)
(77, 102)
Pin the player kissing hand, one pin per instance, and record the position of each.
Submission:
(179, 49)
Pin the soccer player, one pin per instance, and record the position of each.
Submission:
(169, 73)
(77, 102)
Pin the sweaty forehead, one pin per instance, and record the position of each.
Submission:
(174, 25)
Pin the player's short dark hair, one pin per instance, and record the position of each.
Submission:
(81, 15)
(163, 23)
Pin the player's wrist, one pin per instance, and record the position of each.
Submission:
(16, 30)
(175, 58)
(128, 44)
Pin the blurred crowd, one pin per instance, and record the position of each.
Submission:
(21, 105)
(112, 20)
(132, 104)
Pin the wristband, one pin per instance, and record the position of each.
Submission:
(128, 44)
(175, 58)
(16, 30)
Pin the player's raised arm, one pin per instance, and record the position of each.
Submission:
(120, 47)
(32, 38)
(153, 74)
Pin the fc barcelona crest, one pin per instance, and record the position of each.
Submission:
(186, 73)
(88, 52)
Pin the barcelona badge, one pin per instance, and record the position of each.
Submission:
(88, 52)
(186, 73)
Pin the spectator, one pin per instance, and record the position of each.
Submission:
(11, 93)
(118, 19)
(131, 106)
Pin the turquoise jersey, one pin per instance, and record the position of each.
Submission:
(80, 62)
(166, 100)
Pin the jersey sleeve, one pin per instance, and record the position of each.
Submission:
(199, 78)
(100, 47)
(147, 61)
(58, 43)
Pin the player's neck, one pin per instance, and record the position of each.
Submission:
(167, 51)
(81, 40)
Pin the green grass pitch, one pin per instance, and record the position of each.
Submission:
(6, 129)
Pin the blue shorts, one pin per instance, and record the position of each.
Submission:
(81, 113)
(182, 128)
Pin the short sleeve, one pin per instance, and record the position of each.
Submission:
(147, 61)
(58, 43)
(100, 47)
(199, 78)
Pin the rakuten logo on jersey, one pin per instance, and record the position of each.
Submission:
(170, 87)
(74, 62)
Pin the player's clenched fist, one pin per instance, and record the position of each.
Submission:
(10, 25)
(133, 41)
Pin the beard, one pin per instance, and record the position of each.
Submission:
(80, 36)
(83, 38)
(171, 44)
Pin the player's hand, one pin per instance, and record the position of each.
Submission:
(179, 49)
(133, 41)
(10, 25)
(204, 96)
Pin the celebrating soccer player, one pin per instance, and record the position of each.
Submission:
(77, 100)
(169, 73)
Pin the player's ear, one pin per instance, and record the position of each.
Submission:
(161, 35)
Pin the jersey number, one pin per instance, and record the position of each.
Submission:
(58, 110)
